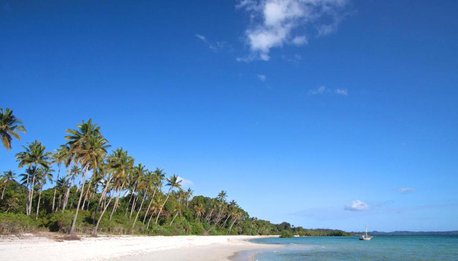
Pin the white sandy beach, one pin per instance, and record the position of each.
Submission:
(126, 248)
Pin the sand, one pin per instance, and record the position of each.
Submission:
(126, 248)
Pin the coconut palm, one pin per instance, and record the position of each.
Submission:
(88, 148)
(155, 184)
(135, 179)
(221, 199)
(5, 178)
(172, 182)
(43, 175)
(62, 185)
(120, 163)
(143, 186)
(199, 209)
(59, 157)
(73, 173)
(230, 209)
(10, 126)
(35, 155)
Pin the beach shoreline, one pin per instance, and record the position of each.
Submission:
(127, 248)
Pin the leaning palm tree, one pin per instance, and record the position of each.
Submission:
(35, 155)
(6, 177)
(43, 175)
(59, 157)
(135, 179)
(88, 148)
(155, 184)
(221, 199)
(10, 126)
(143, 188)
(73, 173)
(172, 182)
(121, 164)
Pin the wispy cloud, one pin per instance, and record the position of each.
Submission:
(185, 182)
(262, 77)
(357, 205)
(325, 90)
(275, 23)
(214, 46)
(406, 190)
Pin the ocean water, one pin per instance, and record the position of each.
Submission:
(402, 248)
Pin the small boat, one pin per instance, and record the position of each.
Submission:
(365, 237)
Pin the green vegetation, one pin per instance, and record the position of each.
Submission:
(91, 190)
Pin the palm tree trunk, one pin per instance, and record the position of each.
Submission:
(59, 201)
(232, 224)
(139, 210)
(225, 221)
(115, 206)
(66, 196)
(72, 230)
(86, 196)
(3, 191)
(149, 220)
(55, 188)
(160, 210)
(38, 205)
(105, 189)
(173, 219)
(132, 196)
(53, 200)
(208, 217)
(31, 196)
(133, 206)
(28, 191)
(149, 206)
(94, 231)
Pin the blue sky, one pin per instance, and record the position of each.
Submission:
(324, 113)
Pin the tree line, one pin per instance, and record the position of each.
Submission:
(92, 189)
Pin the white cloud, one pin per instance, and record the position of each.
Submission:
(184, 182)
(357, 205)
(214, 46)
(300, 40)
(318, 91)
(325, 90)
(262, 77)
(343, 92)
(275, 23)
(406, 190)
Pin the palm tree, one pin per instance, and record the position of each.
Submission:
(222, 201)
(199, 209)
(35, 155)
(143, 186)
(5, 179)
(135, 180)
(10, 126)
(59, 157)
(178, 206)
(155, 184)
(73, 173)
(42, 176)
(120, 163)
(88, 148)
(62, 185)
(172, 182)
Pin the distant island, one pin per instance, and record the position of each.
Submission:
(90, 189)
(415, 233)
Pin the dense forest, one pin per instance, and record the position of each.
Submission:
(83, 187)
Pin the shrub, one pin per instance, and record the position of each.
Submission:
(286, 234)
(11, 223)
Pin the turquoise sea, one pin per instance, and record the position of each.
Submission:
(403, 248)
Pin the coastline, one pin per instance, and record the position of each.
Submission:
(129, 248)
